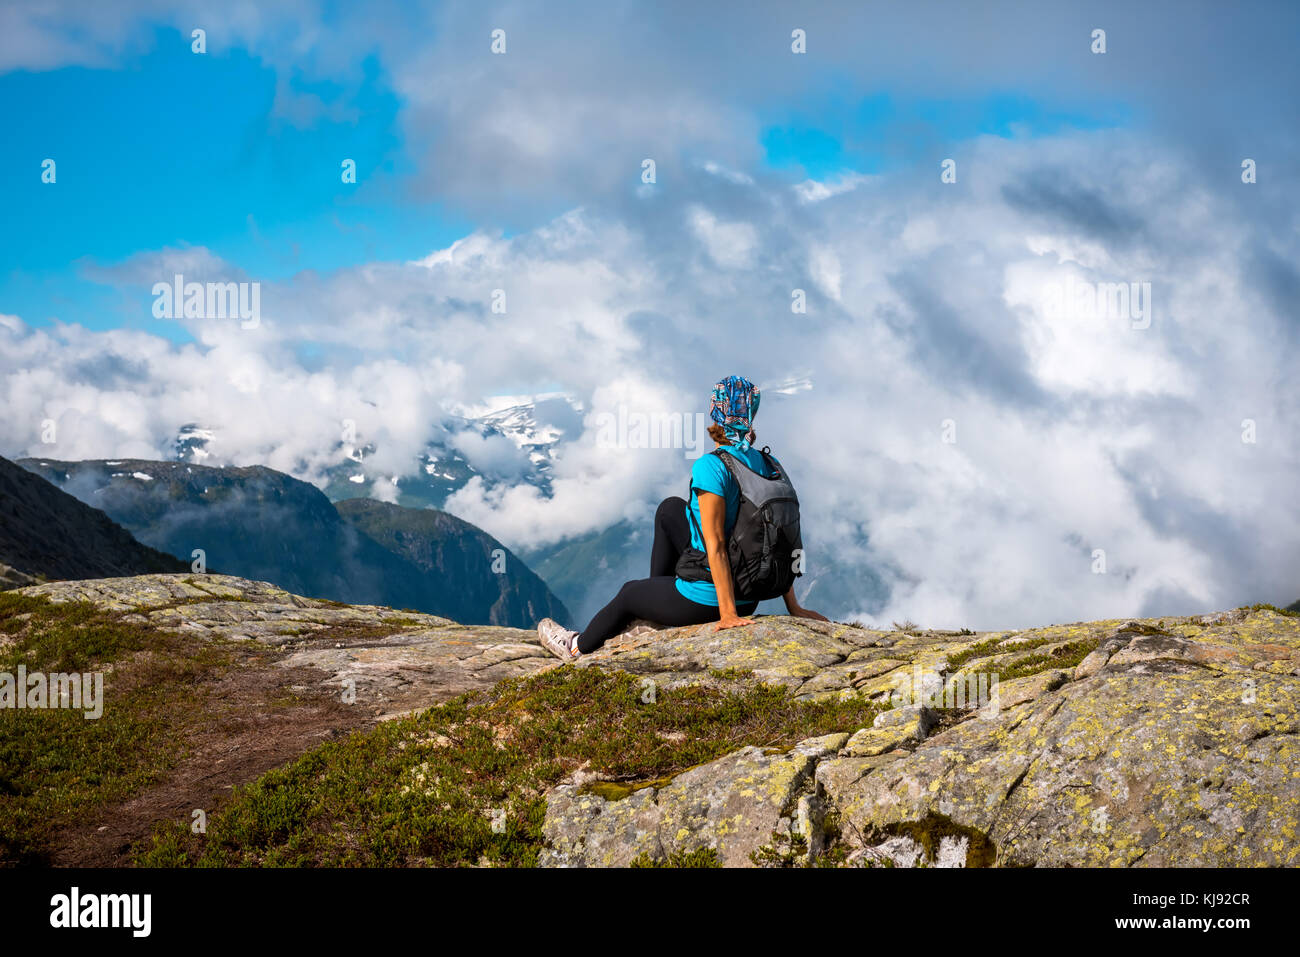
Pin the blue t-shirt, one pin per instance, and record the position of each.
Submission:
(710, 474)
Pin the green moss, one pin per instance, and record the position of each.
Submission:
(933, 828)
(70, 636)
(617, 791)
(731, 674)
(1065, 657)
(981, 649)
(1291, 611)
(700, 857)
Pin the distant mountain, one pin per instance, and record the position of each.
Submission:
(532, 425)
(440, 473)
(191, 444)
(528, 427)
(258, 523)
(47, 534)
(448, 549)
(253, 522)
(1294, 606)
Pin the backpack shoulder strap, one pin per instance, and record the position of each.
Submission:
(729, 461)
(690, 494)
(734, 466)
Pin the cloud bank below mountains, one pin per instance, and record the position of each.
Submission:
(963, 437)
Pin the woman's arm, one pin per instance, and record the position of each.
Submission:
(713, 518)
(792, 606)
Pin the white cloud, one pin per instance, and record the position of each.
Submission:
(730, 245)
(730, 175)
(816, 191)
(827, 271)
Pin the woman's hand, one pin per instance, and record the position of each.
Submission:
(731, 621)
(793, 608)
(809, 613)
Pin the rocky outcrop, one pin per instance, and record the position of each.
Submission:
(1155, 743)
(1152, 743)
(733, 805)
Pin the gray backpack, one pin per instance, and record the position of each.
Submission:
(765, 539)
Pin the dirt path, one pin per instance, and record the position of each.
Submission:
(256, 716)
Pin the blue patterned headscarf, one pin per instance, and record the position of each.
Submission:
(735, 403)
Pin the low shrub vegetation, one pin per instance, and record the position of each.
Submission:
(57, 767)
(463, 783)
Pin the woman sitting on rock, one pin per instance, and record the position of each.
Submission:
(702, 568)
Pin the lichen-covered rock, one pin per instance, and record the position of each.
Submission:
(732, 805)
(778, 650)
(1156, 743)
(391, 661)
(836, 775)
(1029, 688)
(890, 730)
(1151, 761)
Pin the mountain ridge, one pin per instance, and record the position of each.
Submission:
(47, 533)
(265, 525)
(442, 544)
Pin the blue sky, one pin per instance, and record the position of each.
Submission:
(173, 149)
(882, 132)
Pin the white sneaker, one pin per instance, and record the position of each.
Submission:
(556, 639)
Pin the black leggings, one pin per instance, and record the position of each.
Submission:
(655, 598)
